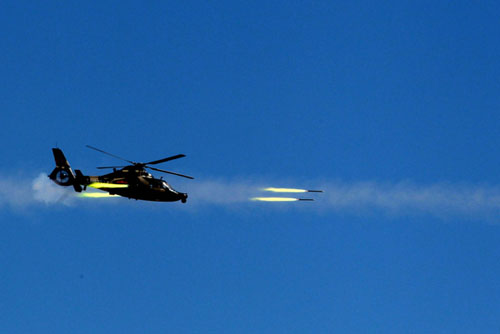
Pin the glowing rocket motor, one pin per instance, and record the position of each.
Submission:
(280, 199)
(99, 185)
(285, 199)
(96, 195)
(291, 190)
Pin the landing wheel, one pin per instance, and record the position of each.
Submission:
(183, 200)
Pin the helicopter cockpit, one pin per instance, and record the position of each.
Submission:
(161, 184)
(166, 186)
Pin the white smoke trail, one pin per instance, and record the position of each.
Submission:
(21, 192)
(441, 200)
(219, 192)
(47, 192)
(14, 193)
(396, 199)
(403, 198)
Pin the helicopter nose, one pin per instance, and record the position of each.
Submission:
(183, 197)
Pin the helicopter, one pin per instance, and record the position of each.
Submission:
(132, 181)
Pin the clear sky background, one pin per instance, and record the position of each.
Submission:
(279, 93)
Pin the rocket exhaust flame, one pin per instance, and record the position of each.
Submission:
(284, 190)
(96, 195)
(280, 199)
(285, 199)
(275, 199)
(99, 185)
(290, 190)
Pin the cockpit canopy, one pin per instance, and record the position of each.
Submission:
(159, 183)
(166, 186)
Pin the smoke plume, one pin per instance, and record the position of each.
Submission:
(47, 192)
(403, 198)
(21, 192)
(394, 199)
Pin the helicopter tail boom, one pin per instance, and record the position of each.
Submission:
(63, 175)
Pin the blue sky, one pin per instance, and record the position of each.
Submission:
(393, 107)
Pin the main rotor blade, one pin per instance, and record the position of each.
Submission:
(165, 159)
(114, 156)
(166, 171)
(107, 167)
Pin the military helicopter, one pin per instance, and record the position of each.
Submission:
(131, 181)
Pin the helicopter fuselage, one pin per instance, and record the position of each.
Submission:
(136, 184)
(132, 181)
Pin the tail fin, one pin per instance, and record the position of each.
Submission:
(81, 179)
(63, 175)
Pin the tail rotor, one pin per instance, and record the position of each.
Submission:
(63, 175)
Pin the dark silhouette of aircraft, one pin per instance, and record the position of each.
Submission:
(131, 181)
